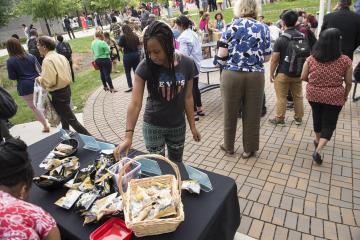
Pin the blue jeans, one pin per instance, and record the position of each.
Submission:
(105, 66)
(131, 61)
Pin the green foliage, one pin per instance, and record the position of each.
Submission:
(112, 4)
(6, 11)
(47, 8)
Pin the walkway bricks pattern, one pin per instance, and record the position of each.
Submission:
(282, 194)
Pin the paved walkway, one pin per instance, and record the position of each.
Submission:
(282, 194)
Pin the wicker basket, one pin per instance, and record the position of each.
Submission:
(154, 226)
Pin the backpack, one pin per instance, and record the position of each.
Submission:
(64, 49)
(297, 51)
(8, 106)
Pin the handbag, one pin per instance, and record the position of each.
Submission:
(39, 97)
(50, 113)
(96, 67)
(8, 107)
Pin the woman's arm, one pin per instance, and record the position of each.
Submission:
(54, 234)
(348, 81)
(11, 71)
(132, 115)
(305, 72)
(189, 110)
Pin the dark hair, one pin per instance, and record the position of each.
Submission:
(60, 38)
(205, 15)
(162, 33)
(14, 48)
(33, 32)
(201, 12)
(15, 36)
(183, 22)
(47, 42)
(301, 13)
(23, 25)
(328, 47)
(131, 39)
(15, 166)
(217, 14)
(344, 3)
(113, 19)
(106, 35)
(290, 18)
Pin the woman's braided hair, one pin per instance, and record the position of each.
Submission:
(161, 32)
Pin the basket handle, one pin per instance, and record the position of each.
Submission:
(143, 157)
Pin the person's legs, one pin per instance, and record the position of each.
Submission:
(232, 90)
(100, 63)
(135, 61)
(39, 115)
(107, 72)
(72, 32)
(127, 67)
(154, 139)
(61, 101)
(72, 70)
(317, 119)
(264, 109)
(281, 86)
(296, 90)
(252, 104)
(196, 94)
(69, 33)
(329, 120)
(175, 139)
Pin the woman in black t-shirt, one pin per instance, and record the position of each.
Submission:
(169, 79)
(129, 44)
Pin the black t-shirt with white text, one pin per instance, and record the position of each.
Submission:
(164, 110)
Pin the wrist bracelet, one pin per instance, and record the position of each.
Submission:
(129, 130)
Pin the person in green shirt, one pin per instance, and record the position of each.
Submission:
(101, 53)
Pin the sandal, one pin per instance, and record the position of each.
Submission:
(196, 118)
(317, 158)
(200, 113)
(106, 89)
(112, 90)
(225, 150)
(246, 155)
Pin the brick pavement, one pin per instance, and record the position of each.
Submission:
(282, 194)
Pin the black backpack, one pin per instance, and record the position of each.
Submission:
(297, 51)
(64, 49)
(8, 106)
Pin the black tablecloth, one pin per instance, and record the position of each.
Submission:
(213, 215)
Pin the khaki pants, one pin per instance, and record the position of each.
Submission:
(249, 88)
(282, 84)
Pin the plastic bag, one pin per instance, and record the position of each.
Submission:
(50, 113)
(39, 97)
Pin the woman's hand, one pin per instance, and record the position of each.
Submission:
(196, 135)
(123, 146)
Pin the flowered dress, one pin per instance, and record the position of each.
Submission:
(21, 220)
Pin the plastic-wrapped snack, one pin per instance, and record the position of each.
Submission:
(191, 186)
(57, 171)
(64, 148)
(86, 200)
(70, 184)
(104, 161)
(84, 173)
(52, 163)
(166, 208)
(104, 186)
(104, 206)
(87, 185)
(69, 199)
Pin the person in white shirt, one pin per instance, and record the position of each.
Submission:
(190, 46)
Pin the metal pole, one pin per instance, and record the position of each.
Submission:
(328, 6)
(321, 15)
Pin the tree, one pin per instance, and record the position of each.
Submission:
(47, 9)
(6, 11)
(112, 4)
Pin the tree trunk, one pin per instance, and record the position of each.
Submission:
(47, 26)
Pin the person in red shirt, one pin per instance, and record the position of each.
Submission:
(19, 219)
(325, 71)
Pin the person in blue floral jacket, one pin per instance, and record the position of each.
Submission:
(243, 49)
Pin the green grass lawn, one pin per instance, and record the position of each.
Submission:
(81, 45)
